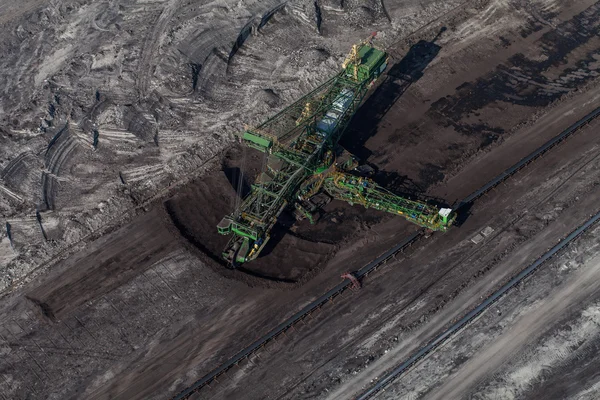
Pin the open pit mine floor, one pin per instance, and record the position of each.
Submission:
(116, 291)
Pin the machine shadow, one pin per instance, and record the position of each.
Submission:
(404, 186)
(281, 228)
(363, 126)
(464, 214)
(400, 76)
(237, 180)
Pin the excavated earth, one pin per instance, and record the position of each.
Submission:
(118, 159)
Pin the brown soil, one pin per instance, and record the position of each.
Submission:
(111, 262)
(197, 209)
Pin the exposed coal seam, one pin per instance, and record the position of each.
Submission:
(14, 165)
(267, 16)
(250, 27)
(9, 234)
(47, 191)
(38, 217)
(195, 72)
(44, 308)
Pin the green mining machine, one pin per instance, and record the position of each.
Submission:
(301, 161)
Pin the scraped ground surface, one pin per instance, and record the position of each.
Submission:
(117, 160)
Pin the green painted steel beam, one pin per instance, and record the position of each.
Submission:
(257, 141)
(291, 136)
(357, 190)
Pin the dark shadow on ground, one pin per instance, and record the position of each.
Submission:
(463, 211)
(282, 227)
(403, 186)
(238, 181)
(400, 76)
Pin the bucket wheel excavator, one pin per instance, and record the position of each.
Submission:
(303, 160)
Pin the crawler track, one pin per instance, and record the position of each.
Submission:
(373, 265)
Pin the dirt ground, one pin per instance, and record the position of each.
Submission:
(108, 106)
(549, 207)
(143, 307)
(115, 259)
(539, 342)
(408, 302)
(196, 211)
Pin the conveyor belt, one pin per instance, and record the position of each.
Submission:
(346, 284)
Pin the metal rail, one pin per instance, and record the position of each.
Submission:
(372, 266)
(288, 323)
(529, 158)
(441, 338)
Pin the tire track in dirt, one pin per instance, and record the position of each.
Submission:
(151, 47)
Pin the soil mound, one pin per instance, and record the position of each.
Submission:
(295, 252)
